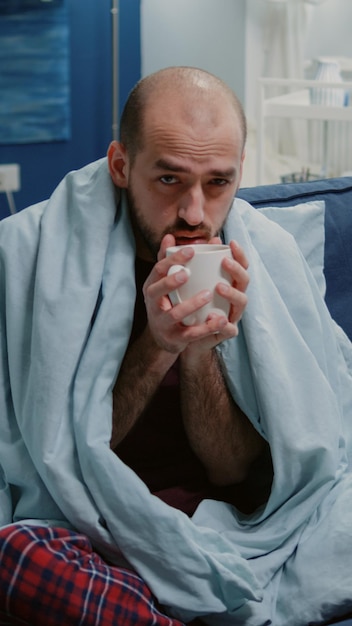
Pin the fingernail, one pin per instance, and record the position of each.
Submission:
(206, 296)
(223, 288)
(187, 252)
(181, 276)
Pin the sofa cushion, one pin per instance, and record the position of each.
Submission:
(306, 223)
(337, 194)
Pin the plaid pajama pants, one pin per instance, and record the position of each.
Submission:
(52, 577)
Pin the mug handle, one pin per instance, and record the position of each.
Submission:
(174, 295)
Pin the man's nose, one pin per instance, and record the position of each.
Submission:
(192, 207)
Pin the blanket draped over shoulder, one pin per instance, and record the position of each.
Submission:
(67, 297)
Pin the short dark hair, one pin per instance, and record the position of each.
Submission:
(132, 118)
(131, 123)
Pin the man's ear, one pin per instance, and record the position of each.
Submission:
(118, 164)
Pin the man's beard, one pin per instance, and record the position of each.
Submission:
(152, 239)
(140, 225)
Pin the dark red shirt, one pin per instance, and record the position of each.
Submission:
(157, 448)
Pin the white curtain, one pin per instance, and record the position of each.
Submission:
(285, 29)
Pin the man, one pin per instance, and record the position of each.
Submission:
(181, 165)
(202, 471)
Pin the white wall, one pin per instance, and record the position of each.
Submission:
(226, 38)
(205, 33)
(329, 32)
(255, 12)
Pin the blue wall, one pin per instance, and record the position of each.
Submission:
(43, 165)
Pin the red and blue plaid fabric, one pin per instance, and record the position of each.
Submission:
(52, 577)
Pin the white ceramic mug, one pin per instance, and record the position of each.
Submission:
(204, 272)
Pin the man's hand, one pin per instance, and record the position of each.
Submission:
(219, 433)
(165, 320)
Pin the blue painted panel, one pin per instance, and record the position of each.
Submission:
(44, 164)
(34, 72)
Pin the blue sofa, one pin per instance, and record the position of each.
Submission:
(337, 194)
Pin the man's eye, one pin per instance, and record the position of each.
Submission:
(168, 179)
(219, 181)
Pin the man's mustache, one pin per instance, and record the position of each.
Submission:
(181, 226)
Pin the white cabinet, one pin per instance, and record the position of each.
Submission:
(296, 105)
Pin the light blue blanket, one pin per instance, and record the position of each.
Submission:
(72, 257)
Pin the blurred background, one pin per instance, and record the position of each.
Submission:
(67, 66)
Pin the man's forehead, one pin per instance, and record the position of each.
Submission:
(169, 118)
(195, 128)
(173, 141)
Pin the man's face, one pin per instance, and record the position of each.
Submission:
(184, 179)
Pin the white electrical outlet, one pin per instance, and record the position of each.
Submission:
(10, 177)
